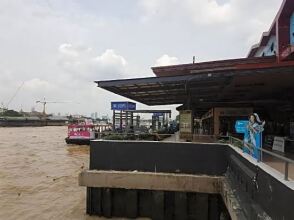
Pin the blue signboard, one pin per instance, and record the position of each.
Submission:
(252, 139)
(157, 114)
(292, 29)
(122, 106)
(241, 126)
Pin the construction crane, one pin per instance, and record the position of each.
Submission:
(44, 102)
(13, 96)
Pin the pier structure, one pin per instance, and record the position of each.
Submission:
(126, 118)
(205, 180)
(165, 180)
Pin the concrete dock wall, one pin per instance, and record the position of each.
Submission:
(248, 191)
(259, 189)
(161, 157)
(111, 202)
(164, 198)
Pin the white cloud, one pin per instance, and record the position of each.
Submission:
(41, 42)
(199, 11)
(208, 29)
(206, 12)
(38, 84)
(110, 58)
(82, 63)
(68, 50)
(166, 60)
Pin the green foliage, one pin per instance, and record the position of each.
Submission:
(115, 137)
(11, 113)
(128, 137)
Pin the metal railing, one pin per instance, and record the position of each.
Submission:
(240, 144)
(232, 140)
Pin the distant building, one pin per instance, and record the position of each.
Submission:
(33, 114)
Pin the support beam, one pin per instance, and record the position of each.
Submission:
(151, 181)
(233, 205)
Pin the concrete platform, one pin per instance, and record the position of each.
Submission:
(275, 163)
(151, 181)
(176, 180)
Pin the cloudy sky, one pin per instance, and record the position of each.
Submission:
(56, 49)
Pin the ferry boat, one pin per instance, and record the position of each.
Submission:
(80, 134)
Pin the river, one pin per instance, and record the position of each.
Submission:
(38, 175)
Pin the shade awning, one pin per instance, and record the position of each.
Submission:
(236, 87)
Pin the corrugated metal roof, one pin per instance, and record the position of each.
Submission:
(234, 88)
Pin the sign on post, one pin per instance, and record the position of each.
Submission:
(123, 106)
(279, 144)
(186, 121)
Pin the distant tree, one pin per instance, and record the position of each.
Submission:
(11, 113)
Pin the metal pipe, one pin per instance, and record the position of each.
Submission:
(286, 170)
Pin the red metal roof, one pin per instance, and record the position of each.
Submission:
(254, 63)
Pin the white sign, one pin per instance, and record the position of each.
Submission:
(279, 144)
(186, 121)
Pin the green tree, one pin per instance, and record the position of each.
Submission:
(11, 113)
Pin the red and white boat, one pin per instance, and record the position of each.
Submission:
(80, 134)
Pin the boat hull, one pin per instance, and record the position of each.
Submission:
(77, 141)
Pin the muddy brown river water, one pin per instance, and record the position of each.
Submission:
(38, 175)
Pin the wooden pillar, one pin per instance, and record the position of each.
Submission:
(113, 120)
(106, 204)
(158, 205)
(120, 120)
(216, 121)
(132, 119)
(132, 204)
(137, 121)
(181, 206)
(213, 207)
(127, 120)
(202, 206)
